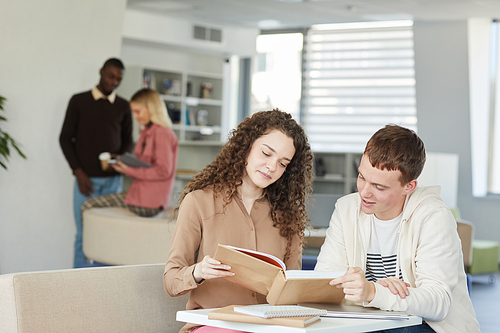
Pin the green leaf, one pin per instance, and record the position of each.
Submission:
(20, 152)
(16, 147)
(6, 141)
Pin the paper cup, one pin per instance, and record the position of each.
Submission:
(104, 158)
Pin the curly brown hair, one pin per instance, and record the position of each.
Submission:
(288, 195)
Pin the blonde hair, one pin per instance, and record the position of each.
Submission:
(155, 105)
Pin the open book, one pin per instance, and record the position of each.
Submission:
(264, 274)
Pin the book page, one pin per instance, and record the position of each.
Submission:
(269, 258)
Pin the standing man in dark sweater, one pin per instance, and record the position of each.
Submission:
(96, 121)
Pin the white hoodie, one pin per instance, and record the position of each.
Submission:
(429, 254)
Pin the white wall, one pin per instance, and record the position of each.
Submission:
(442, 87)
(49, 50)
(479, 36)
(157, 56)
(178, 32)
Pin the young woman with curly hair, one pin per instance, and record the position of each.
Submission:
(251, 196)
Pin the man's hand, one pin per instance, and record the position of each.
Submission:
(85, 185)
(209, 268)
(396, 286)
(356, 287)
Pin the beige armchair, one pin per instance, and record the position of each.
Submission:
(466, 233)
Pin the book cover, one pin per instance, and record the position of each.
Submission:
(270, 279)
(132, 161)
(243, 265)
(278, 311)
(228, 314)
(286, 290)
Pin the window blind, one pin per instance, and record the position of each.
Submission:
(356, 79)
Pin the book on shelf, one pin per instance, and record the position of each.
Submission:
(277, 311)
(267, 275)
(229, 314)
(357, 311)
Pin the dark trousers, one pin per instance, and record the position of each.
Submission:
(423, 328)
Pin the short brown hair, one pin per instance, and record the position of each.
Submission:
(397, 148)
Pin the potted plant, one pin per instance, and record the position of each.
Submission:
(6, 141)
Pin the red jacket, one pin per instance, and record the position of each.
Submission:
(152, 187)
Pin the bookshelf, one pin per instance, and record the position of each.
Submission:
(194, 101)
(335, 173)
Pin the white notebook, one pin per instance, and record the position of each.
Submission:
(278, 311)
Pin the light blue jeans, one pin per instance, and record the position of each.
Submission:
(102, 185)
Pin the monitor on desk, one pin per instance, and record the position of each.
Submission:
(320, 208)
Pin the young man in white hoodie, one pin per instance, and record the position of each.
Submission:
(399, 242)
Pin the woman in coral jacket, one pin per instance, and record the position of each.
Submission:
(152, 187)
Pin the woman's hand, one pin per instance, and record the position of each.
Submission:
(396, 286)
(120, 167)
(209, 268)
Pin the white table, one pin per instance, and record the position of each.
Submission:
(327, 325)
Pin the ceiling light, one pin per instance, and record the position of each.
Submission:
(266, 24)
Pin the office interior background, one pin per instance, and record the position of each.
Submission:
(51, 49)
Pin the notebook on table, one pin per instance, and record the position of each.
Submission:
(228, 314)
(277, 311)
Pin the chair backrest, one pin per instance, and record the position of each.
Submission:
(466, 233)
(104, 299)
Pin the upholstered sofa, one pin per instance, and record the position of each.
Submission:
(103, 299)
(126, 298)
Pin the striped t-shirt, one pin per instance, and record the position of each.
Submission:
(382, 252)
